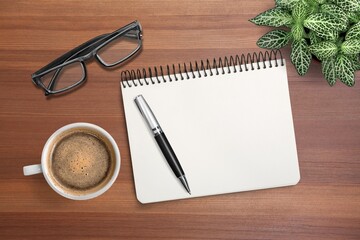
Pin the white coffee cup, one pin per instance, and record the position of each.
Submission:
(44, 166)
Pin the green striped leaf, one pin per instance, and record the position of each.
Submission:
(322, 22)
(354, 32)
(324, 50)
(274, 39)
(286, 4)
(344, 70)
(320, 1)
(297, 32)
(351, 46)
(300, 56)
(353, 17)
(332, 9)
(275, 17)
(313, 7)
(313, 38)
(330, 35)
(356, 65)
(348, 5)
(328, 70)
(300, 12)
(355, 60)
(337, 13)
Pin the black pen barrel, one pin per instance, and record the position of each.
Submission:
(169, 154)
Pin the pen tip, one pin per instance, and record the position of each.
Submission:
(185, 184)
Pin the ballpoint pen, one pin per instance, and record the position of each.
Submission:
(161, 140)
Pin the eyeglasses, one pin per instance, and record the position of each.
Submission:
(69, 71)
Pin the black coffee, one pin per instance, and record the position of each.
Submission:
(80, 161)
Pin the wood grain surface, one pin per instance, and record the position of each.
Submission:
(324, 205)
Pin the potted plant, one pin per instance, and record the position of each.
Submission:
(328, 30)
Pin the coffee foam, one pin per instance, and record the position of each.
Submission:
(81, 161)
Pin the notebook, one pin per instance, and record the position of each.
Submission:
(229, 122)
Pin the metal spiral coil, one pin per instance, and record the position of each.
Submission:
(198, 69)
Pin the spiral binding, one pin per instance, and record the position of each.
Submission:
(133, 78)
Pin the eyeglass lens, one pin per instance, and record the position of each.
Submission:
(65, 77)
(120, 48)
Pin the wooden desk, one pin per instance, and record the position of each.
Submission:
(324, 205)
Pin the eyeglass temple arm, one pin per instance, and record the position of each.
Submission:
(69, 54)
(93, 45)
(131, 35)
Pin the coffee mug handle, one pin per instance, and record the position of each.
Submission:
(32, 169)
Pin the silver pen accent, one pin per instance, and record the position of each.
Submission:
(146, 112)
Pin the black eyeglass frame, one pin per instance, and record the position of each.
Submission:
(85, 52)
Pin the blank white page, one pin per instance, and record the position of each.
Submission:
(231, 133)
